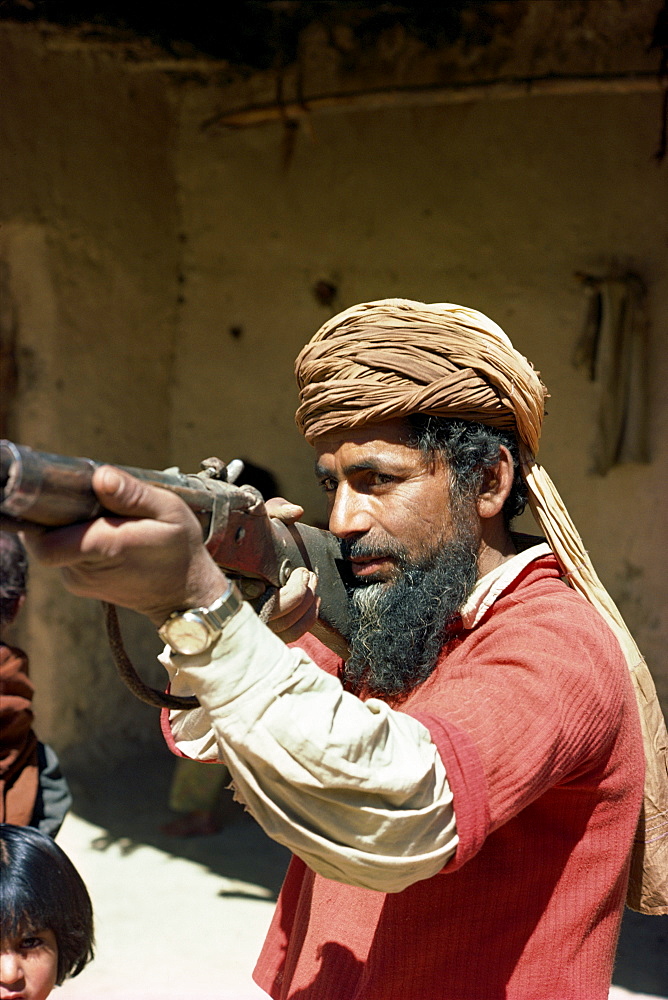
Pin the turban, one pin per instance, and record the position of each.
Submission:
(383, 360)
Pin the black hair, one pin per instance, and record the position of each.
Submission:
(42, 890)
(469, 448)
(13, 575)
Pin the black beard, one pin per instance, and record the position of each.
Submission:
(398, 628)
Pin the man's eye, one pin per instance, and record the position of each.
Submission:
(328, 485)
(381, 479)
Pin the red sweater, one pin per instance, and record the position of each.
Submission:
(534, 716)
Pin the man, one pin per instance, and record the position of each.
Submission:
(461, 795)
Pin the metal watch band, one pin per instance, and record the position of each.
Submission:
(223, 609)
(193, 630)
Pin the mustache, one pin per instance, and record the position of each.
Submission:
(362, 548)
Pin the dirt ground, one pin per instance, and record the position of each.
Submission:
(185, 918)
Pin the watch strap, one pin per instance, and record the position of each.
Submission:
(210, 621)
(220, 612)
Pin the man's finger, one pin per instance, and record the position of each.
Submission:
(297, 606)
(21, 528)
(283, 510)
(305, 624)
(120, 493)
(299, 589)
(57, 547)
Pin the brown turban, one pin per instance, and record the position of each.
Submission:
(381, 360)
(387, 359)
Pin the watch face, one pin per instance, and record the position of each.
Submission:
(187, 634)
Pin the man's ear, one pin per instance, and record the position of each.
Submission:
(496, 485)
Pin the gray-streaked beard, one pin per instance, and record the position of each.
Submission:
(398, 628)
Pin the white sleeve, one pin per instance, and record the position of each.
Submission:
(355, 789)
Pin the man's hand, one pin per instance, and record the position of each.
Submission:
(150, 558)
(296, 607)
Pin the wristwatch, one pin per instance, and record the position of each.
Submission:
(192, 631)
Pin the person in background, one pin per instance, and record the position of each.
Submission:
(33, 790)
(46, 924)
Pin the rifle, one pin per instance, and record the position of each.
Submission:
(259, 552)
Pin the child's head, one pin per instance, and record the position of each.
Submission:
(13, 576)
(46, 923)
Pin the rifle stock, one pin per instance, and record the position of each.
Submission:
(258, 551)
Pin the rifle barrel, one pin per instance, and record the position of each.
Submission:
(56, 490)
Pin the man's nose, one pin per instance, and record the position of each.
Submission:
(10, 969)
(350, 514)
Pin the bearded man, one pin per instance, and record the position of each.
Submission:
(461, 795)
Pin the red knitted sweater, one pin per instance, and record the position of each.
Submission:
(534, 716)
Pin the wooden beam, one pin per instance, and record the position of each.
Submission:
(433, 96)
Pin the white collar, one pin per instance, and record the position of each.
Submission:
(490, 586)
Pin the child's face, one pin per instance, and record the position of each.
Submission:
(28, 966)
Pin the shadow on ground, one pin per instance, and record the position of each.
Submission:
(129, 801)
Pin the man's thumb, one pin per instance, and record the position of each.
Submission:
(121, 493)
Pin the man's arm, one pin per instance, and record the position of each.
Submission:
(354, 788)
(357, 790)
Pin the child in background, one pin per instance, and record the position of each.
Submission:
(33, 789)
(46, 919)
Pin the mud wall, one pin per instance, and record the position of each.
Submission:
(88, 208)
(496, 206)
(163, 276)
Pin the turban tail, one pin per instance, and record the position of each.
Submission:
(385, 360)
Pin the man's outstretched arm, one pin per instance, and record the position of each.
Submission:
(354, 788)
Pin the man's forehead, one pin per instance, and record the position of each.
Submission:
(386, 447)
(389, 432)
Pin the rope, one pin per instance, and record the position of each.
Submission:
(130, 677)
